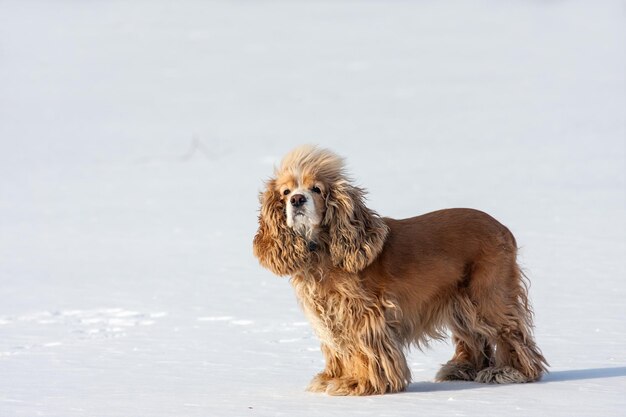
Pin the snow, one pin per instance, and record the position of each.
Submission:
(135, 137)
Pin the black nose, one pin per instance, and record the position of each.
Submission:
(297, 200)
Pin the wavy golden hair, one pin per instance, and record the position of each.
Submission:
(352, 233)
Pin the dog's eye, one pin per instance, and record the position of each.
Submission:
(286, 192)
(316, 190)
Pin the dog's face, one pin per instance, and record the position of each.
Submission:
(311, 204)
(303, 196)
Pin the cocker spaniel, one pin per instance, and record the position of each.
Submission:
(372, 286)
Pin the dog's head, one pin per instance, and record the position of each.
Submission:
(303, 180)
(310, 206)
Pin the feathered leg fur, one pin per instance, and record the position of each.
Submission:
(493, 333)
(359, 341)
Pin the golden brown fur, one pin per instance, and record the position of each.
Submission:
(372, 286)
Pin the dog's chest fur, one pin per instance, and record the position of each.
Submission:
(337, 306)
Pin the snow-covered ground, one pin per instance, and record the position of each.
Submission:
(135, 136)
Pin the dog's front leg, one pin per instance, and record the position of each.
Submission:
(345, 374)
(370, 362)
(332, 371)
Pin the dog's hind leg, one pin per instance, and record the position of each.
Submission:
(472, 352)
(466, 362)
(506, 321)
(517, 357)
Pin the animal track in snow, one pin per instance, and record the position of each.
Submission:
(82, 324)
(229, 319)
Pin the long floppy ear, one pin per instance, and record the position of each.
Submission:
(357, 234)
(276, 245)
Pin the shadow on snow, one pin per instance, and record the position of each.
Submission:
(556, 376)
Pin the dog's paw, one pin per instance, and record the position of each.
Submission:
(456, 371)
(503, 375)
(353, 387)
(345, 386)
(319, 383)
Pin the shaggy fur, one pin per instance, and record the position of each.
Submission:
(373, 286)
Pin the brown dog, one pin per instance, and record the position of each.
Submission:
(372, 286)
